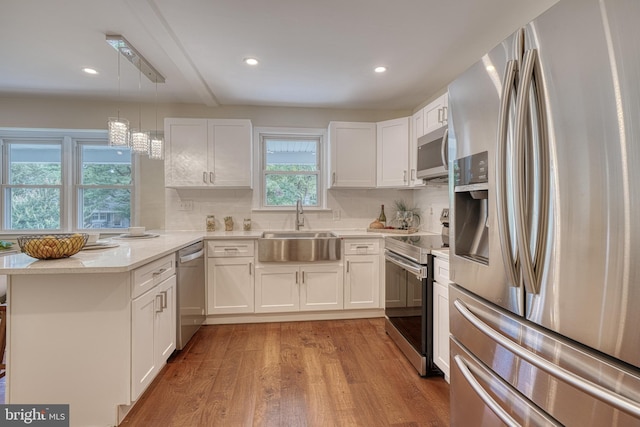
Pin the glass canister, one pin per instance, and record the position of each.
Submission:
(211, 223)
(246, 224)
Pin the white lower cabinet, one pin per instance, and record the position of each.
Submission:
(230, 276)
(362, 273)
(230, 285)
(441, 315)
(286, 288)
(153, 333)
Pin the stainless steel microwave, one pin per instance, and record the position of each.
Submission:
(433, 154)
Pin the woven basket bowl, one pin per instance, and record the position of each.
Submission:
(52, 246)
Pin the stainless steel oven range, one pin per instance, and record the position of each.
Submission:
(409, 298)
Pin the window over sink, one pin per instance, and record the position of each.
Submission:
(291, 168)
(56, 180)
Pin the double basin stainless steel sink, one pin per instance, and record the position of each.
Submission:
(298, 246)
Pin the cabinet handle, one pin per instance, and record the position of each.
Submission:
(413, 174)
(164, 299)
(296, 277)
(348, 266)
(231, 249)
(159, 306)
(333, 180)
(404, 175)
(212, 177)
(250, 268)
(204, 177)
(445, 114)
(303, 277)
(439, 115)
(159, 272)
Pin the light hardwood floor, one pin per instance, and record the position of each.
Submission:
(320, 373)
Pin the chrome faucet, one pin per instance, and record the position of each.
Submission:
(299, 217)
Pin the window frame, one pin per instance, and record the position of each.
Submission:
(70, 142)
(260, 134)
(78, 186)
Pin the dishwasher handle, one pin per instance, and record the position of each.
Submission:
(191, 257)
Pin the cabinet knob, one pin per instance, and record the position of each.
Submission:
(212, 177)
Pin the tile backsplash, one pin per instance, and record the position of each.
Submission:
(347, 209)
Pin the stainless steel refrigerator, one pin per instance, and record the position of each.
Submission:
(545, 223)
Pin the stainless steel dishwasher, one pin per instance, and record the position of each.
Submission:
(191, 297)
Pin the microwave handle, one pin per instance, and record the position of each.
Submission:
(444, 148)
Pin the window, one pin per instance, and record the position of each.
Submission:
(291, 170)
(104, 188)
(64, 181)
(34, 191)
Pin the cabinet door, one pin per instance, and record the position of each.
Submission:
(393, 153)
(230, 148)
(277, 289)
(186, 152)
(441, 327)
(435, 114)
(349, 141)
(321, 287)
(165, 325)
(361, 281)
(230, 285)
(143, 352)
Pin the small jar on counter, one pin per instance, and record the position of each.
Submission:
(211, 223)
(246, 224)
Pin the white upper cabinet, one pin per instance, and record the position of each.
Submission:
(393, 153)
(431, 117)
(352, 155)
(208, 153)
(435, 114)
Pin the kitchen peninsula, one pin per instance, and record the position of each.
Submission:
(73, 335)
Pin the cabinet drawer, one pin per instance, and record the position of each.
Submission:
(362, 247)
(230, 248)
(150, 275)
(441, 271)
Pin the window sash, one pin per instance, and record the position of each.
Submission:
(317, 172)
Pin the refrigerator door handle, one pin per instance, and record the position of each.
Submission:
(523, 231)
(599, 392)
(482, 393)
(543, 174)
(509, 260)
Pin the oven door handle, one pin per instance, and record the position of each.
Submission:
(419, 270)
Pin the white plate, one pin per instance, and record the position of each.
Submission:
(141, 236)
(104, 245)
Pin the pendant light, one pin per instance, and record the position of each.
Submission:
(156, 145)
(139, 138)
(118, 127)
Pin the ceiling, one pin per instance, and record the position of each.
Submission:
(312, 53)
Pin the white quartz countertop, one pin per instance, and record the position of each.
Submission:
(129, 254)
(441, 253)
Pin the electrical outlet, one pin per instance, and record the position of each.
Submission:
(336, 214)
(185, 205)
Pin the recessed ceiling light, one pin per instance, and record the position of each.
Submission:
(380, 69)
(251, 61)
(89, 70)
